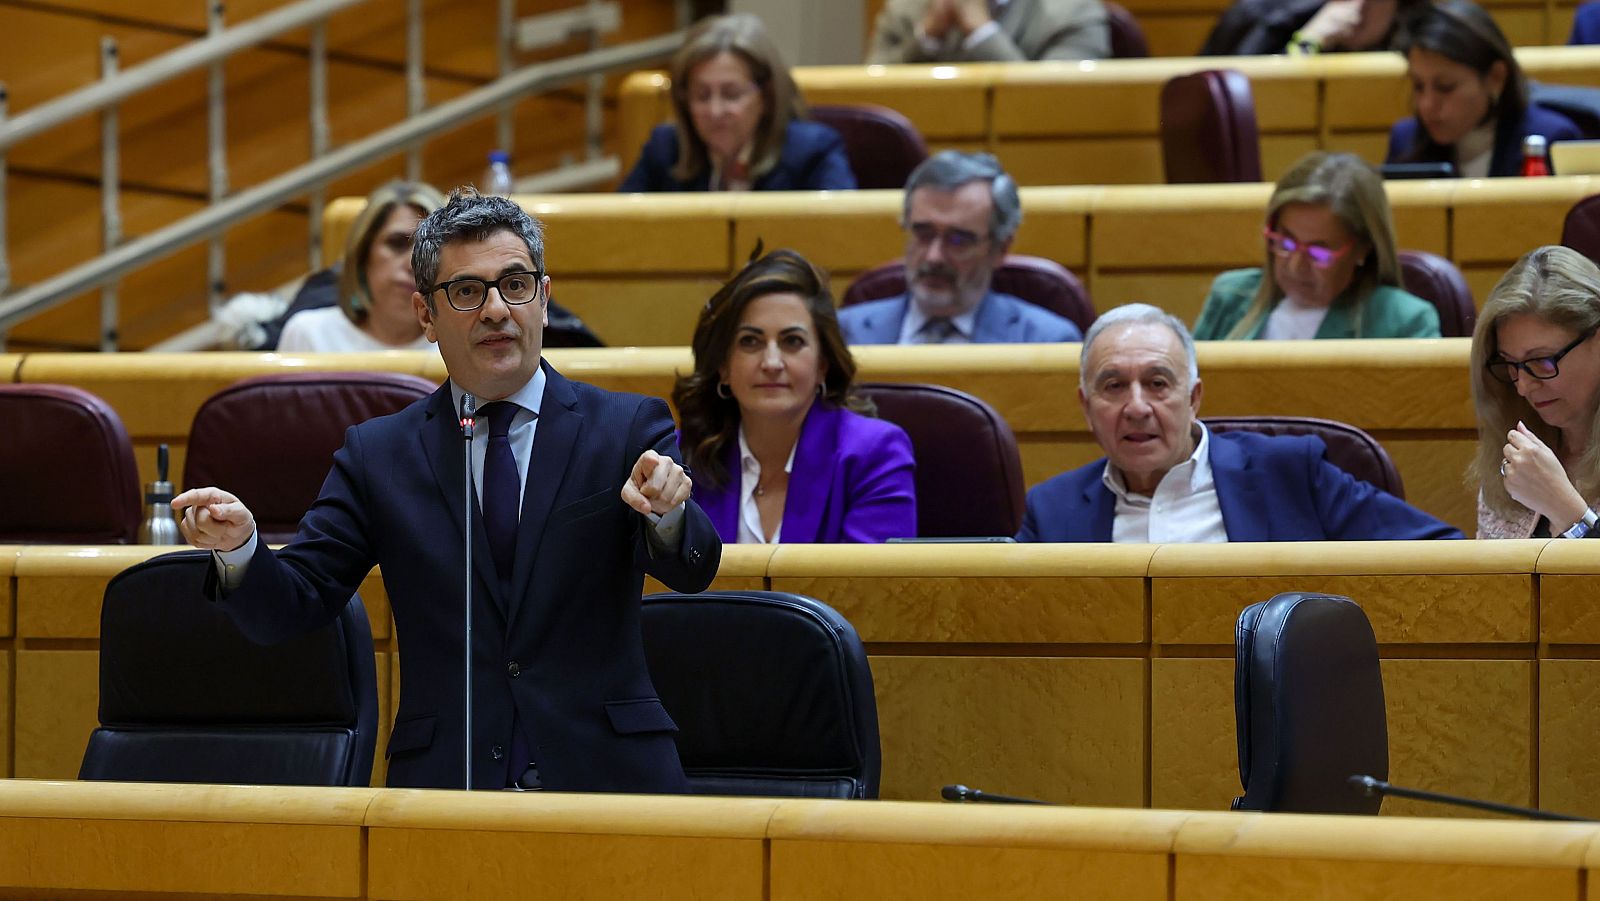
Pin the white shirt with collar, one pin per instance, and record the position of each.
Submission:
(911, 326)
(749, 477)
(666, 536)
(1183, 509)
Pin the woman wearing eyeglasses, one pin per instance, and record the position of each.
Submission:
(1332, 269)
(1536, 382)
(740, 122)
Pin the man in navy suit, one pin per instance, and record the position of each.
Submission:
(961, 212)
(1168, 479)
(579, 493)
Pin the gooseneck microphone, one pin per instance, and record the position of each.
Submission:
(960, 793)
(469, 414)
(1371, 786)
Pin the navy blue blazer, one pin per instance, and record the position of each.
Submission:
(813, 159)
(1585, 24)
(1507, 157)
(1002, 319)
(1278, 488)
(567, 617)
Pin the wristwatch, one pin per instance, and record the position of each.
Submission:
(1580, 529)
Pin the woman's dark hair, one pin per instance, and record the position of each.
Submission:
(1463, 32)
(709, 420)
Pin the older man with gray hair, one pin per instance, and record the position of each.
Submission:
(961, 212)
(1166, 478)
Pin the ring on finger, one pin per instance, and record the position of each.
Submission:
(1503, 468)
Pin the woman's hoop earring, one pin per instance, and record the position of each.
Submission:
(724, 391)
(821, 392)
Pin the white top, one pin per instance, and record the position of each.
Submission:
(329, 330)
(911, 326)
(1184, 508)
(1475, 152)
(749, 477)
(1292, 320)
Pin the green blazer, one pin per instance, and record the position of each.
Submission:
(1388, 313)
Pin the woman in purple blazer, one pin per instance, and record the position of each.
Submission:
(780, 446)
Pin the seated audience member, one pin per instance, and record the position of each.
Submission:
(1166, 478)
(966, 31)
(367, 304)
(780, 446)
(739, 121)
(1261, 27)
(1332, 269)
(1536, 384)
(961, 211)
(1469, 95)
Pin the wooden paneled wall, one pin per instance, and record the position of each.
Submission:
(50, 48)
(72, 840)
(1089, 123)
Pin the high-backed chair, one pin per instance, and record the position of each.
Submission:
(1437, 280)
(1581, 229)
(771, 693)
(1127, 38)
(1349, 448)
(184, 697)
(1308, 702)
(70, 476)
(270, 439)
(969, 472)
(883, 146)
(1208, 128)
(1037, 280)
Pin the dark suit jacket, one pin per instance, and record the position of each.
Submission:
(567, 617)
(853, 481)
(1507, 157)
(1002, 319)
(1278, 488)
(813, 159)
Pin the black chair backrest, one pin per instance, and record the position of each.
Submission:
(1308, 701)
(969, 471)
(1208, 128)
(184, 697)
(270, 439)
(1349, 448)
(1038, 281)
(1127, 37)
(771, 693)
(67, 473)
(883, 145)
(1437, 280)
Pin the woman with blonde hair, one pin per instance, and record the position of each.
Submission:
(740, 121)
(1536, 382)
(366, 304)
(1331, 270)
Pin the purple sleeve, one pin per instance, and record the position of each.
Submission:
(883, 493)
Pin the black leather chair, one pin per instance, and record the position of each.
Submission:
(1437, 280)
(969, 471)
(1349, 448)
(1308, 700)
(184, 697)
(270, 439)
(1127, 37)
(1208, 128)
(1037, 280)
(771, 693)
(67, 473)
(883, 145)
(1581, 229)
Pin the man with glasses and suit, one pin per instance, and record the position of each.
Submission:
(961, 212)
(579, 495)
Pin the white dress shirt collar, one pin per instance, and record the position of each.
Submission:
(965, 324)
(749, 477)
(1184, 507)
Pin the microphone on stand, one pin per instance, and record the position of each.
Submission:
(960, 793)
(1371, 786)
(469, 412)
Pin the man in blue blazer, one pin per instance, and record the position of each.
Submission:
(961, 212)
(1167, 479)
(579, 493)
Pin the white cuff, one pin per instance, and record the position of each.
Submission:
(232, 564)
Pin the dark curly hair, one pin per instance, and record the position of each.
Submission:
(710, 421)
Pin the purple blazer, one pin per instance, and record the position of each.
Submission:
(851, 483)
